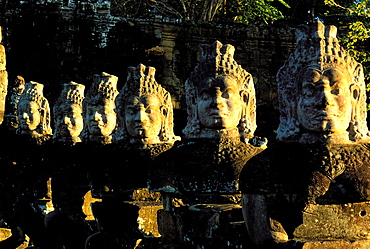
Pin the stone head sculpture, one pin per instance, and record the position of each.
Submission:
(220, 95)
(34, 111)
(100, 115)
(321, 91)
(68, 118)
(144, 108)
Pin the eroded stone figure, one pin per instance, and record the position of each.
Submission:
(100, 114)
(69, 181)
(34, 113)
(68, 116)
(204, 168)
(13, 100)
(317, 173)
(145, 130)
(3, 79)
(30, 169)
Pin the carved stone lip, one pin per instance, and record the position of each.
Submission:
(96, 124)
(218, 113)
(327, 115)
(65, 127)
(25, 121)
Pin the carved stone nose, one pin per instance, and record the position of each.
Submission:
(141, 116)
(66, 120)
(97, 116)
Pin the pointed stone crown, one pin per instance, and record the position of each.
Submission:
(216, 60)
(72, 92)
(104, 88)
(141, 81)
(34, 92)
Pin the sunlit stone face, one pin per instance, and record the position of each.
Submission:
(101, 119)
(143, 117)
(70, 121)
(28, 115)
(324, 104)
(220, 105)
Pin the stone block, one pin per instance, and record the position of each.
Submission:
(334, 222)
(341, 244)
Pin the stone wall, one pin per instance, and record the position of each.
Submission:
(54, 43)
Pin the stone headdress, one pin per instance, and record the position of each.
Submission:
(34, 93)
(318, 47)
(218, 60)
(141, 82)
(104, 88)
(72, 94)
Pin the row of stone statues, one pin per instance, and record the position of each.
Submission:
(101, 114)
(291, 193)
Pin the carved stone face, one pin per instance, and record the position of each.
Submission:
(28, 115)
(324, 104)
(220, 105)
(101, 119)
(143, 117)
(70, 121)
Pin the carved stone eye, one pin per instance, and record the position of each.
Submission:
(336, 91)
(225, 95)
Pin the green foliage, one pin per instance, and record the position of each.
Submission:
(242, 11)
(246, 11)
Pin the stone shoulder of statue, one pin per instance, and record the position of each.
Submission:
(201, 160)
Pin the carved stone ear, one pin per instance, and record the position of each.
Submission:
(355, 92)
(164, 111)
(244, 96)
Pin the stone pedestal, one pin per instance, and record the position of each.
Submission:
(203, 226)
